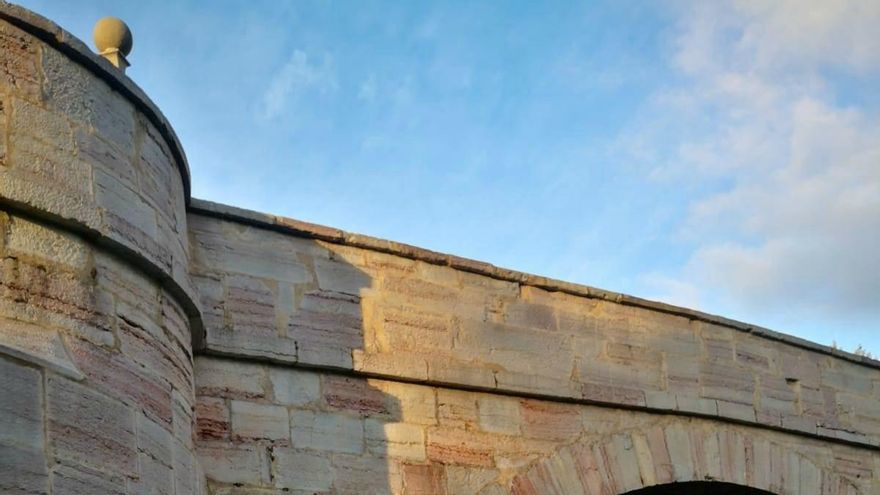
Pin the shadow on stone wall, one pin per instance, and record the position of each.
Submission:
(277, 405)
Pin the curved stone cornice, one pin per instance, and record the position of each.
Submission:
(77, 51)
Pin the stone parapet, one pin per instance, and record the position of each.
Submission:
(292, 293)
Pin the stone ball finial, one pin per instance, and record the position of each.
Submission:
(113, 40)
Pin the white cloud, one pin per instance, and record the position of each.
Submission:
(368, 89)
(295, 78)
(797, 223)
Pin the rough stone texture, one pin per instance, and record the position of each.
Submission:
(478, 442)
(337, 306)
(338, 363)
(97, 392)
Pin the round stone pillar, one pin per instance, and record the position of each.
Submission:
(97, 311)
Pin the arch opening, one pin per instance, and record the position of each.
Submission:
(699, 488)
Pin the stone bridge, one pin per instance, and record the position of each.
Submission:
(152, 343)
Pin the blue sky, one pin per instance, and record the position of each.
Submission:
(720, 155)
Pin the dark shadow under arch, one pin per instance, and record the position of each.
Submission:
(699, 488)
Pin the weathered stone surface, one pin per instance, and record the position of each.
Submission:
(324, 332)
(80, 418)
(75, 479)
(302, 470)
(19, 59)
(327, 432)
(259, 421)
(23, 470)
(229, 378)
(247, 464)
(22, 456)
(397, 440)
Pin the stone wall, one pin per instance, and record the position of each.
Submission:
(264, 428)
(154, 344)
(475, 381)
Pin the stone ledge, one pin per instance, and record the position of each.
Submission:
(357, 395)
(182, 290)
(337, 236)
(59, 39)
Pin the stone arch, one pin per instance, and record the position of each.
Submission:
(679, 453)
(699, 488)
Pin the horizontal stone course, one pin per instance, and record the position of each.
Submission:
(483, 443)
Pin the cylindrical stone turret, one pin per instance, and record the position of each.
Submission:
(96, 305)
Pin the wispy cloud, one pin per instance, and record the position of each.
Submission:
(793, 218)
(297, 77)
(368, 88)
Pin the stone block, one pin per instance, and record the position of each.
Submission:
(399, 365)
(424, 479)
(154, 478)
(446, 369)
(459, 447)
(184, 469)
(327, 432)
(413, 329)
(516, 349)
(306, 471)
(327, 328)
(183, 422)
(847, 377)
(678, 444)
(47, 244)
(352, 395)
(74, 91)
(226, 247)
(75, 479)
(550, 421)
(613, 394)
(19, 62)
(243, 464)
(226, 378)
(499, 414)
(355, 475)
(457, 409)
(94, 150)
(291, 387)
(80, 418)
(407, 402)
(126, 205)
(120, 377)
(256, 345)
(636, 375)
(530, 315)
(150, 347)
(21, 407)
(250, 304)
(22, 470)
(754, 353)
(341, 277)
(155, 168)
(735, 410)
(212, 418)
(727, 382)
(251, 421)
(154, 440)
(395, 440)
(468, 481)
